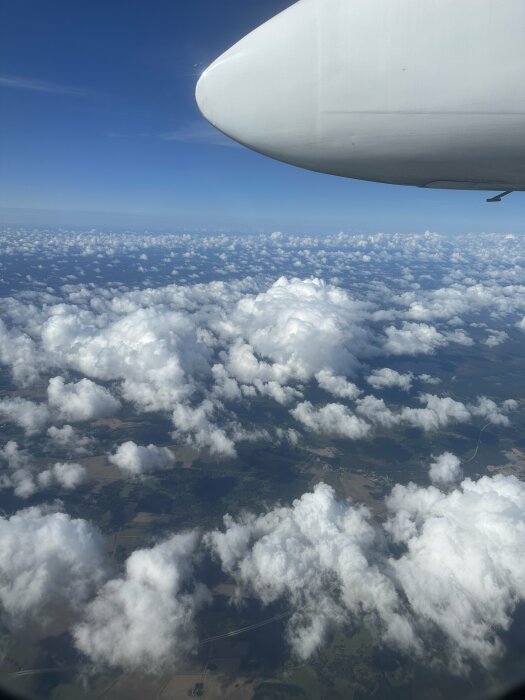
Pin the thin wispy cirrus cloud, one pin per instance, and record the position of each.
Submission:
(199, 132)
(18, 82)
(194, 133)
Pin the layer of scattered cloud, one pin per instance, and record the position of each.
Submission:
(439, 579)
(274, 322)
(200, 351)
(438, 412)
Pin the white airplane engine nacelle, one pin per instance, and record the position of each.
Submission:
(416, 92)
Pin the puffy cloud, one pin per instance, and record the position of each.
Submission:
(80, 401)
(438, 413)
(297, 328)
(183, 349)
(290, 435)
(20, 473)
(225, 387)
(337, 385)
(446, 303)
(18, 351)
(313, 553)
(30, 416)
(83, 400)
(420, 338)
(509, 405)
(385, 378)
(243, 364)
(440, 579)
(47, 558)
(429, 379)
(332, 419)
(64, 474)
(462, 572)
(196, 424)
(145, 619)
(495, 338)
(146, 348)
(488, 409)
(69, 439)
(445, 469)
(281, 394)
(137, 460)
(252, 372)
(377, 412)
(521, 324)
(18, 470)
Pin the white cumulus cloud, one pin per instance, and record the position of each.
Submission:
(67, 475)
(314, 554)
(47, 558)
(337, 385)
(463, 570)
(440, 579)
(145, 620)
(420, 338)
(139, 460)
(69, 439)
(438, 413)
(386, 377)
(28, 415)
(18, 471)
(332, 419)
(445, 470)
(80, 401)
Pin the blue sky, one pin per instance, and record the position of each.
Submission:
(98, 126)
